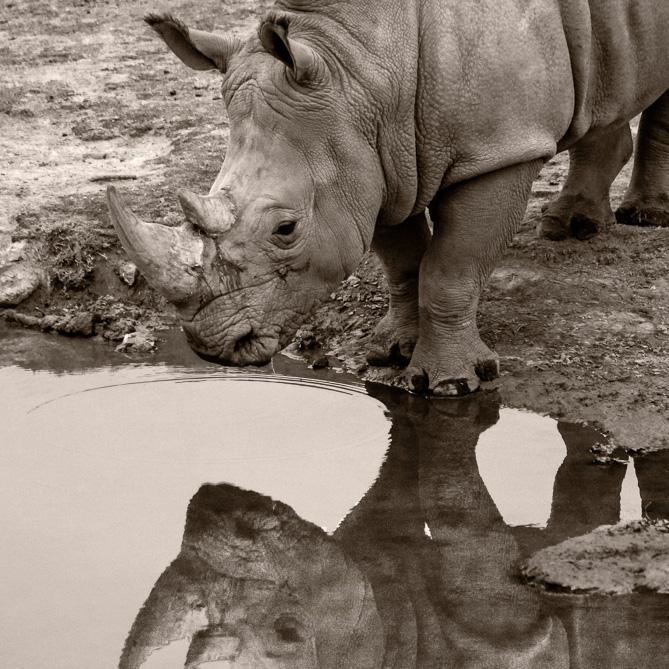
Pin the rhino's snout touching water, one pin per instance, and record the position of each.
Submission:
(254, 256)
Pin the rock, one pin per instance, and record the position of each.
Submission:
(611, 560)
(618, 322)
(128, 272)
(137, 342)
(352, 282)
(117, 329)
(91, 130)
(11, 252)
(18, 281)
(321, 362)
(75, 325)
(306, 340)
(22, 319)
(508, 279)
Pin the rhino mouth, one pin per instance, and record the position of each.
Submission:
(243, 345)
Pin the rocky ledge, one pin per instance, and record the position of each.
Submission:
(612, 560)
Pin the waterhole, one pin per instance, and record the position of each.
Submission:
(170, 513)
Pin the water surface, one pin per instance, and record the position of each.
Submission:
(207, 515)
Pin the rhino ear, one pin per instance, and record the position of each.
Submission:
(198, 49)
(305, 64)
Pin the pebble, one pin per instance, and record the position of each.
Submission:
(11, 252)
(128, 272)
(74, 325)
(18, 281)
(137, 342)
(321, 362)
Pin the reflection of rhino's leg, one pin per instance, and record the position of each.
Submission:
(652, 472)
(400, 249)
(583, 208)
(647, 199)
(384, 537)
(489, 618)
(585, 495)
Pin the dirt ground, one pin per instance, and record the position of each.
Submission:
(89, 97)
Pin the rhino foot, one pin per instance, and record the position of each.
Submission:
(452, 380)
(392, 344)
(578, 226)
(572, 216)
(652, 215)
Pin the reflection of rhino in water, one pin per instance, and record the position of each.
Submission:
(421, 574)
(255, 583)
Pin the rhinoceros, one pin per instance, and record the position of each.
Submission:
(351, 119)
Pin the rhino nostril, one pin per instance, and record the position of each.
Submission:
(243, 341)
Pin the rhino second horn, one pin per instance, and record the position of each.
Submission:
(169, 258)
(213, 214)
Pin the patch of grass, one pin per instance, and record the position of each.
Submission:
(9, 97)
(69, 250)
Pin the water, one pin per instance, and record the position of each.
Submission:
(135, 503)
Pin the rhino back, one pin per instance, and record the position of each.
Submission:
(619, 51)
(452, 90)
(504, 82)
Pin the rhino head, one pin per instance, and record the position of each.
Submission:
(255, 585)
(292, 210)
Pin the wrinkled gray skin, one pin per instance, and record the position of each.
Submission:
(256, 586)
(350, 119)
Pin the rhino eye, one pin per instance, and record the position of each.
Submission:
(285, 229)
(288, 630)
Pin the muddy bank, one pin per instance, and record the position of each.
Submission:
(613, 560)
(88, 97)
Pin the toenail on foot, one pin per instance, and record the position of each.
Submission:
(487, 370)
(418, 383)
(454, 388)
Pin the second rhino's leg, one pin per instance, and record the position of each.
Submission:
(583, 208)
(400, 249)
(473, 223)
(647, 199)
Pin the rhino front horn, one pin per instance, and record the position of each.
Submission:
(174, 610)
(170, 258)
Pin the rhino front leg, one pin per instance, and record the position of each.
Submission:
(647, 199)
(473, 223)
(583, 207)
(400, 249)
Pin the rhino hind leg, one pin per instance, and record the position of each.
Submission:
(646, 202)
(400, 249)
(583, 208)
